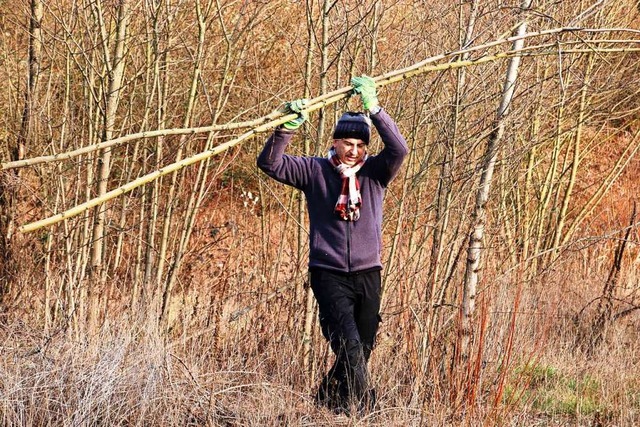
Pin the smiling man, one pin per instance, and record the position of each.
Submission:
(350, 150)
(344, 193)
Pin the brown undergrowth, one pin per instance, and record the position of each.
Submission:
(233, 357)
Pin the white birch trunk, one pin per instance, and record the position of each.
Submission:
(476, 237)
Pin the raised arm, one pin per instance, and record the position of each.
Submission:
(290, 170)
(387, 163)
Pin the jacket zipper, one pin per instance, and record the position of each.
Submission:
(348, 246)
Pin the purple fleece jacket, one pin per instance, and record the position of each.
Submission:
(335, 244)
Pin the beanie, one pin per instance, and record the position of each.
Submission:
(353, 125)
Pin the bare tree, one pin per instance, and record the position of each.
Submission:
(115, 64)
(604, 311)
(487, 166)
(9, 181)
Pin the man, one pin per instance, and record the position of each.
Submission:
(344, 194)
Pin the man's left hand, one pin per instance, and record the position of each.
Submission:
(365, 86)
(296, 107)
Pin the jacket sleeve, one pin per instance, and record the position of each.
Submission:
(290, 170)
(386, 164)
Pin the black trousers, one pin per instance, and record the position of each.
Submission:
(349, 306)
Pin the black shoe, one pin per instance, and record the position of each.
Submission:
(368, 402)
(328, 394)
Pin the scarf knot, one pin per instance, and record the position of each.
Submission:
(349, 201)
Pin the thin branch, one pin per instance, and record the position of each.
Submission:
(277, 117)
(382, 80)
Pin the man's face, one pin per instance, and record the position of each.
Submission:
(350, 150)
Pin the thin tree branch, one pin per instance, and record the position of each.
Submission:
(277, 117)
(382, 80)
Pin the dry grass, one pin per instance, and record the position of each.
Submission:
(132, 374)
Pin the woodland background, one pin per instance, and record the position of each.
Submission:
(184, 301)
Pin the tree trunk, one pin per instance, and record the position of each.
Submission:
(309, 307)
(191, 101)
(115, 69)
(476, 236)
(9, 181)
(604, 312)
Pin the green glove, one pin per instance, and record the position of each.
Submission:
(366, 88)
(296, 106)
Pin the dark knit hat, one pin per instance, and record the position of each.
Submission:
(353, 125)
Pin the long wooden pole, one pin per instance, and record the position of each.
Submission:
(278, 118)
(385, 79)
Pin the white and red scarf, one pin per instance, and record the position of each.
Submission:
(350, 200)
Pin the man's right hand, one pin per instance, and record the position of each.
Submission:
(365, 86)
(295, 107)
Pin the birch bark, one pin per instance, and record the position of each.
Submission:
(479, 218)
